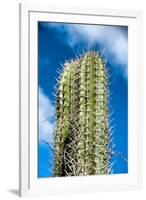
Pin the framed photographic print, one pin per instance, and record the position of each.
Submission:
(80, 100)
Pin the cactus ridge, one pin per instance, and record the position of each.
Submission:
(82, 140)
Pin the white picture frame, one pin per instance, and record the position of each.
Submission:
(29, 184)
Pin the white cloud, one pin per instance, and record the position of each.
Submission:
(46, 119)
(111, 38)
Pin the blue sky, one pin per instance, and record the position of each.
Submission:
(58, 42)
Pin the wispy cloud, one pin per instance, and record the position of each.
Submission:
(46, 119)
(111, 38)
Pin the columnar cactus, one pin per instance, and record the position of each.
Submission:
(81, 141)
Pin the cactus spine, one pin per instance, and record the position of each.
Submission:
(81, 141)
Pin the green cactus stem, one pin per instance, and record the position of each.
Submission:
(81, 141)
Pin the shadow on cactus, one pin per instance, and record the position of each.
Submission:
(82, 140)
